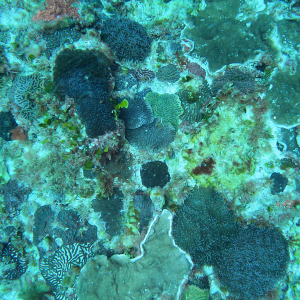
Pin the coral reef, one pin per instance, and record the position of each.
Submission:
(155, 173)
(138, 112)
(254, 262)
(7, 124)
(166, 107)
(204, 226)
(111, 211)
(154, 136)
(168, 73)
(83, 76)
(127, 38)
(161, 269)
(94, 147)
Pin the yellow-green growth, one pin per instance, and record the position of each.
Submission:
(194, 293)
(88, 165)
(165, 106)
(123, 104)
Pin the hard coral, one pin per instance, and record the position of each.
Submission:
(254, 262)
(167, 107)
(168, 73)
(203, 226)
(155, 173)
(57, 9)
(154, 136)
(138, 112)
(84, 76)
(127, 38)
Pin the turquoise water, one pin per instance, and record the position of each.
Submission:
(149, 149)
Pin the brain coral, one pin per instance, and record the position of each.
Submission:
(58, 266)
(168, 73)
(14, 259)
(127, 38)
(165, 106)
(154, 136)
(23, 92)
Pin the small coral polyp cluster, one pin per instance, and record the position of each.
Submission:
(149, 149)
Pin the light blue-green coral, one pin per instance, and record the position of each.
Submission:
(165, 106)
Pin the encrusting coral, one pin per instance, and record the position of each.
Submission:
(159, 272)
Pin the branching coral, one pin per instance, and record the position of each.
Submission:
(57, 9)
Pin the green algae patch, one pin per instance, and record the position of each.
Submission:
(195, 293)
(4, 176)
(227, 149)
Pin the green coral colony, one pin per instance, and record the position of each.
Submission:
(149, 150)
